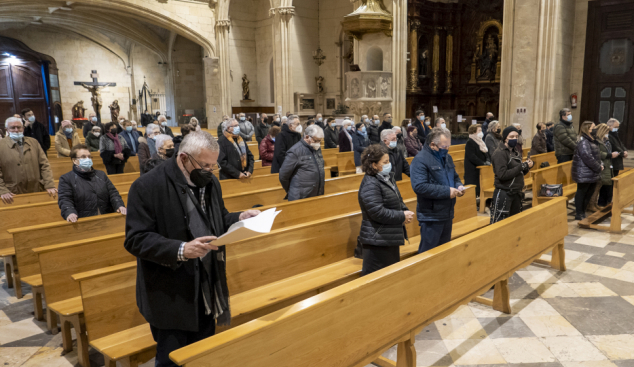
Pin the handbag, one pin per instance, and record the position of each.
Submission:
(551, 190)
(544, 165)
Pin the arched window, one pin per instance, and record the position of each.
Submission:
(374, 59)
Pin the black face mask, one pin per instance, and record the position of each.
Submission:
(113, 131)
(169, 153)
(266, 120)
(199, 176)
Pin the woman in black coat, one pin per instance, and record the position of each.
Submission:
(288, 137)
(383, 210)
(345, 137)
(586, 168)
(235, 160)
(85, 192)
(331, 135)
(476, 154)
(359, 143)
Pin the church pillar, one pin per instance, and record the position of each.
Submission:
(132, 114)
(399, 60)
(282, 71)
(222, 68)
(412, 82)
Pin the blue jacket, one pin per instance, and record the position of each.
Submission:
(431, 180)
(130, 138)
(359, 144)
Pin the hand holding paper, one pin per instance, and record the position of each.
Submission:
(250, 227)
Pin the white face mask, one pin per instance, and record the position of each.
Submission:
(376, 122)
(480, 135)
(94, 119)
(96, 134)
(298, 129)
(164, 123)
(32, 119)
(315, 146)
(444, 126)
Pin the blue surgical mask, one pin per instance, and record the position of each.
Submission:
(427, 123)
(615, 129)
(393, 144)
(128, 128)
(320, 119)
(376, 122)
(236, 130)
(242, 118)
(85, 164)
(569, 117)
(348, 127)
(386, 169)
(362, 129)
(512, 143)
(16, 136)
(68, 131)
(421, 118)
(367, 121)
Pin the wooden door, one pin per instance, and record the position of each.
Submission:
(21, 87)
(609, 60)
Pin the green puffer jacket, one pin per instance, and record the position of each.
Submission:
(605, 151)
(565, 138)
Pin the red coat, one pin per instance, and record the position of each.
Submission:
(267, 147)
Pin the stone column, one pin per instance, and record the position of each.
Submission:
(449, 64)
(399, 60)
(283, 70)
(223, 68)
(412, 81)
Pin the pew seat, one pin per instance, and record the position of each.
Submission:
(127, 344)
(33, 280)
(67, 307)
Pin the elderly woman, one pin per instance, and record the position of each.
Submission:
(164, 150)
(345, 136)
(539, 145)
(302, 173)
(359, 143)
(86, 192)
(383, 210)
(586, 168)
(493, 139)
(147, 146)
(113, 149)
(400, 141)
(65, 139)
(412, 142)
(267, 146)
(235, 160)
(195, 125)
(476, 154)
(92, 140)
(599, 200)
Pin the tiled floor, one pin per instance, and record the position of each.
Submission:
(583, 317)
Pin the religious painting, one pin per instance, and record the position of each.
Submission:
(308, 104)
(330, 104)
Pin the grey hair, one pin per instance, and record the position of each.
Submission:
(161, 117)
(363, 118)
(493, 123)
(284, 119)
(387, 132)
(347, 122)
(12, 119)
(193, 119)
(292, 118)
(397, 129)
(161, 139)
(225, 125)
(96, 127)
(196, 141)
(517, 125)
(612, 121)
(149, 129)
(563, 112)
(314, 131)
(436, 134)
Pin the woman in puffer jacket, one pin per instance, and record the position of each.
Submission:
(586, 168)
(383, 210)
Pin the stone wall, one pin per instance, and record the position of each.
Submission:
(330, 35)
(189, 78)
(304, 40)
(578, 54)
(243, 51)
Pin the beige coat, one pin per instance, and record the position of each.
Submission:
(61, 143)
(27, 173)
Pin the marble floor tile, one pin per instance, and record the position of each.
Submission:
(473, 352)
(543, 326)
(572, 349)
(589, 364)
(597, 315)
(432, 353)
(616, 254)
(505, 327)
(554, 290)
(480, 310)
(629, 266)
(624, 363)
(51, 357)
(591, 290)
(587, 268)
(430, 332)
(606, 260)
(630, 299)
(536, 307)
(20, 330)
(523, 350)
(16, 356)
(537, 276)
(614, 346)
(592, 241)
(460, 328)
(625, 275)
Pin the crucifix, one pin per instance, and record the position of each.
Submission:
(94, 88)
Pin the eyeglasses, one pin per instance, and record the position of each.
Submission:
(206, 167)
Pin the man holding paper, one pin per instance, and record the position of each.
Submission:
(175, 213)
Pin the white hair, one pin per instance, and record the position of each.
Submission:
(227, 124)
(387, 132)
(149, 129)
(12, 119)
(314, 131)
(493, 123)
(284, 119)
(363, 118)
(196, 141)
(397, 129)
(193, 119)
(161, 139)
(612, 121)
(161, 118)
(347, 122)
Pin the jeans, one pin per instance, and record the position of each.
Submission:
(582, 197)
(434, 234)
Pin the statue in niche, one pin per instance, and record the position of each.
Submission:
(385, 88)
(354, 88)
(371, 89)
(78, 110)
(488, 59)
(114, 111)
(320, 84)
(245, 88)
(422, 63)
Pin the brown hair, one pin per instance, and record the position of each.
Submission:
(372, 154)
(474, 128)
(274, 131)
(75, 148)
(602, 130)
(584, 129)
(185, 129)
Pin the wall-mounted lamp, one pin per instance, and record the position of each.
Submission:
(318, 56)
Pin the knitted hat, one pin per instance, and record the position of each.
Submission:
(66, 122)
(507, 131)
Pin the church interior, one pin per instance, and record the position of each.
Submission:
(538, 289)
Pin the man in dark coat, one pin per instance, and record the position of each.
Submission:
(262, 128)
(236, 160)
(331, 135)
(485, 125)
(373, 130)
(387, 122)
(162, 123)
(291, 134)
(419, 124)
(92, 122)
(617, 146)
(399, 163)
(550, 137)
(319, 121)
(302, 174)
(565, 137)
(36, 130)
(436, 184)
(175, 212)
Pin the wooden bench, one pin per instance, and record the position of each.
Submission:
(389, 306)
(44, 197)
(345, 163)
(253, 183)
(537, 162)
(457, 155)
(622, 199)
(553, 175)
(457, 147)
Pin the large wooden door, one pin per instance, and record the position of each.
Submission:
(609, 59)
(21, 86)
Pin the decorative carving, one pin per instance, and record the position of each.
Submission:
(371, 16)
(412, 80)
(224, 24)
(320, 84)
(486, 66)
(245, 88)
(283, 10)
(371, 89)
(367, 108)
(385, 87)
(355, 91)
(78, 110)
(114, 111)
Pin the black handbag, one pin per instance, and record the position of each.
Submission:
(551, 190)
(544, 165)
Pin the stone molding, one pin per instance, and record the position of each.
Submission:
(282, 10)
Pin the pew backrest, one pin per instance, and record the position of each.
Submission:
(345, 162)
(457, 147)
(253, 183)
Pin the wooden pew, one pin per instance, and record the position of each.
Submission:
(253, 147)
(44, 197)
(254, 183)
(257, 164)
(15, 217)
(623, 197)
(330, 157)
(454, 273)
(557, 174)
(267, 171)
(457, 155)
(537, 162)
(247, 200)
(345, 163)
(457, 147)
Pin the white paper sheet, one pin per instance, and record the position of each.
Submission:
(248, 228)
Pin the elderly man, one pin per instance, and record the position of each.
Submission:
(485, 125)
(373, 130)
(284, 120)
(246, 128)
(436, 184)
(175, 212)
(290, 135)
(440, 122)
(319, 121)
(277, 121)
(36, 130)
(565, 137)
(131, 137)
(400, 140)
(397, 160)
(262, 128)
(387, 122)
(24, 167)
(164, 150)
(147, 145)
(162, 122)
(236, 160)
(302, 174)
(92, 121)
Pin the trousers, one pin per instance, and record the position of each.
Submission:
(582, 197)
(115, 169)
(434, 234)
(379, 257)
